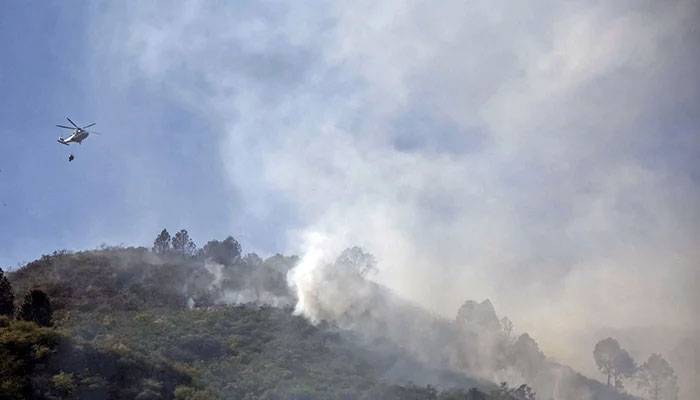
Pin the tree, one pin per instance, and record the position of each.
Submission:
(624, 367)
(461, 394)
(183, 245)
(252, 260)
(613, 361)
(7, 298)
(657, 379)
(475, 394)
(63, 383)
(357, 259)
(507, 326)
(36, 308)
(526, 354)
(522, 392)
(227, 252)
(162, 243)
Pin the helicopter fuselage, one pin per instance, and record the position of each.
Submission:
(77, 136)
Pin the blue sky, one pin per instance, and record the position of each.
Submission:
(156, 166)
(493, 149)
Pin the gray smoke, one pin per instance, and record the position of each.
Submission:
(540, 155)
(475, 344)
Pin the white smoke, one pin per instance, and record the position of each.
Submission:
(542, 154)
(324, 290)
(235, 285)
(217, 272)
(474, 344)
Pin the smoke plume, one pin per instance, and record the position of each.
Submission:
(542, 156)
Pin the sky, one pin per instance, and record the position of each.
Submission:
(543, 155)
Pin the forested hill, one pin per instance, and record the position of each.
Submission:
(133, 323)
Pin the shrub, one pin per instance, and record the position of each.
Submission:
(63, 382)
(188, 393)
(36, 308)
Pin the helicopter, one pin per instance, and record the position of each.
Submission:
(79, 134)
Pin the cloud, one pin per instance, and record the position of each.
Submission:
(539, 155)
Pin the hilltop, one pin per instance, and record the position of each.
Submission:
(159, 319)
(189, 327)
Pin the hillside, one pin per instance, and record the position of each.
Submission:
(133, 324)
(160, 322)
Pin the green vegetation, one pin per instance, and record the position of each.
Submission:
(7, 298)
(36, 308)
(41, 363)
(133, 324)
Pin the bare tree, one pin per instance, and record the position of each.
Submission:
(354, 257)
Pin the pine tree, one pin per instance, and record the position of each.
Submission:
(658, 379)
(227, 252)
(162, 243)
(614, 361)
(183, 245)
(7, 298)
(36, 308)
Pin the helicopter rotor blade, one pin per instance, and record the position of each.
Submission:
(66, 127)
(72, 123)
(92, 124)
